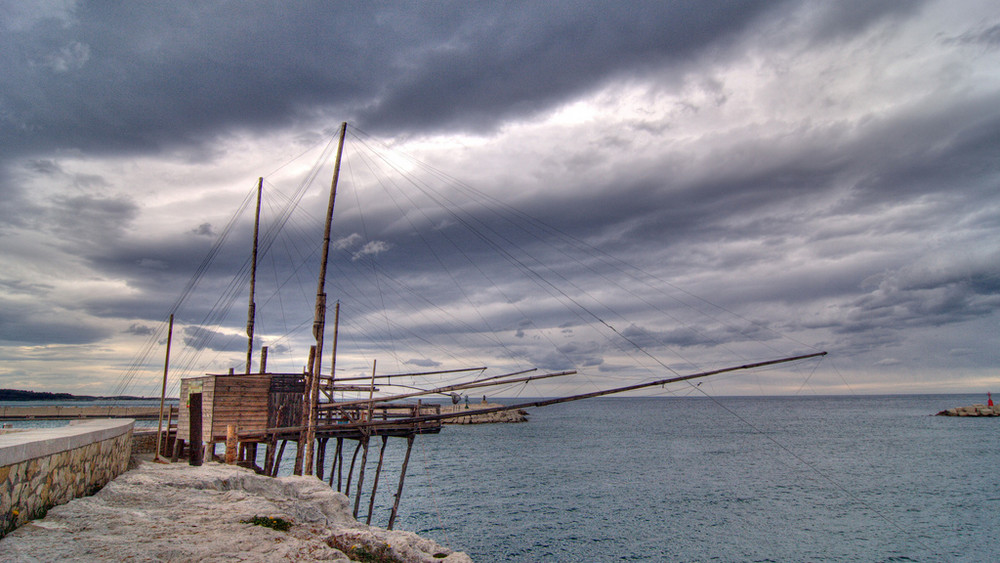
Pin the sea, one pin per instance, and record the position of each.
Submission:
(870, 478)
(804, 478)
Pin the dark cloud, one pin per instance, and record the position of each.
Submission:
(424, 363)
(201, 338)
(783, 161)
(486, 64)
(838, 19)
(204, 229)
(928, 296)
(102, 78)
(28, 324)
(988, 37)
(88, 219)
(139, 330)
(688, 336)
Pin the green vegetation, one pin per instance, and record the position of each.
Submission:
(279, 524)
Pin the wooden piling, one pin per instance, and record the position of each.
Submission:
(231, 443)
(361, 475)
(307, 408)
(350, 472)
(269, 454)
(277, 459)
(402, 475)
(194, 413)
(321, 457)
(378, 471)
(167, 446)
(340, 458)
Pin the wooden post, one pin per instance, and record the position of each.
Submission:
(333, 464)
(230, 444)
(194, 415)
(361, 475)
(333, 354)
(402, 475)
(178, 447)
(300, 449)
(251, 453)
(163, 391)
(340, 462)
(252, 310)
(269, 454)
(277, 459)
(378, 471)
(350, 472)
(263, 360)
(321, 458)
(319, 321)
(166, 442)
(371, 393)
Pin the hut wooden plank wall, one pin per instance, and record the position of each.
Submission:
(206, 386)
(227, 399)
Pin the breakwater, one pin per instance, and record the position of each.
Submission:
(972, 410)
(512, 416)
(45, 467)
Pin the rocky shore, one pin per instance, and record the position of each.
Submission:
(178, 513)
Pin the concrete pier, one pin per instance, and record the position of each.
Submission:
(67, 412)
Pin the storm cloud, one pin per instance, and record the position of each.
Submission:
(617, 188)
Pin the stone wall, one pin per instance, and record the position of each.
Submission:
(46, 467)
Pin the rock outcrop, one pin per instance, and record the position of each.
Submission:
(175, 512)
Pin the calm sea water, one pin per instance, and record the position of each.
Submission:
(692, 479)
(685, 479)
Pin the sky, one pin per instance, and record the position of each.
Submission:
(631, 190)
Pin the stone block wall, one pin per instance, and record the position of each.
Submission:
(43, 468)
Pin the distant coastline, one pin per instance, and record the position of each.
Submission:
(21, 395)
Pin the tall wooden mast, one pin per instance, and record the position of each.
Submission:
(251, 313)
(307, 437)
(163, 391)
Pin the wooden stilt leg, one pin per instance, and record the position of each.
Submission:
(321, 457)
(251, 454)
(333, 465)
(378, 471)
(361, 476)
(340, 462)
(269, 455)
(350, 472)
(402, 475)
(277, 458)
